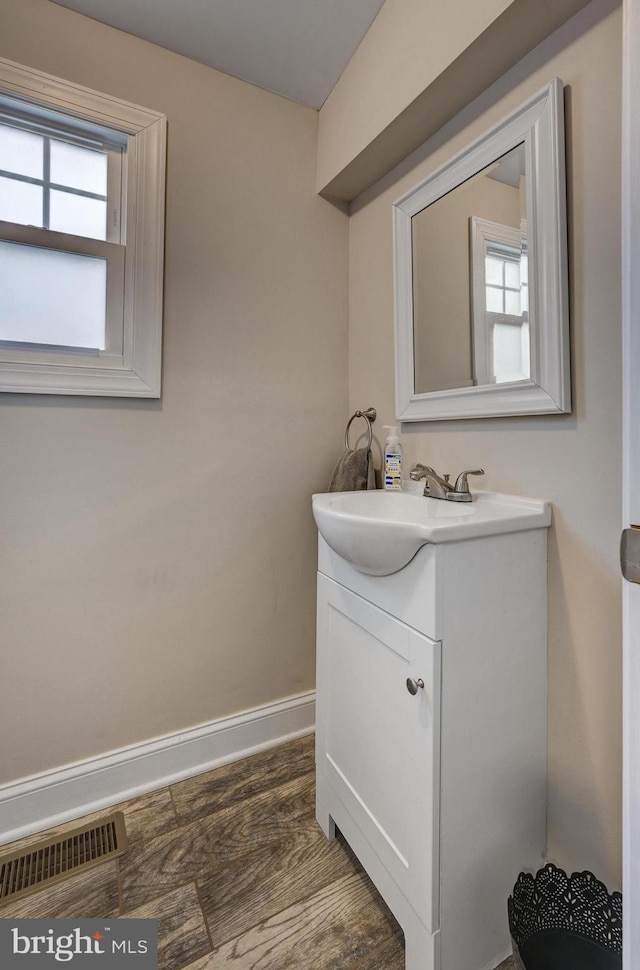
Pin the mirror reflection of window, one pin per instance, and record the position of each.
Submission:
(500, 333)
(506, 311)
(502, 275)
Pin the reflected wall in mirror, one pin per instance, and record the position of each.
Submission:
(469, 252)
(481, 276)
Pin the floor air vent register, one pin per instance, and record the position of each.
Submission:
(54, 859)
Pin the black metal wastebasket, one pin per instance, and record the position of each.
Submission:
(561, 922)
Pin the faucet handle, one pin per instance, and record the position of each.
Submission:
(462, 485)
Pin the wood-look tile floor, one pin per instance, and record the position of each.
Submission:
(235, 868)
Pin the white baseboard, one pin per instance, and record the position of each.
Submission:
(53, 797)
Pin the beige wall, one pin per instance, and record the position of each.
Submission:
(572, 460)
(158, 558)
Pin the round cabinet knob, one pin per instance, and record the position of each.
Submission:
(413, 686)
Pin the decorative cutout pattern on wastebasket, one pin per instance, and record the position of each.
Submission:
(552, 900)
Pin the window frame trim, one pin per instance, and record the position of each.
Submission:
(137, 371)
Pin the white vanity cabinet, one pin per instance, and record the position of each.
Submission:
(441, 793)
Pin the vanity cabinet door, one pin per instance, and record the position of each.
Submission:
(377, 744)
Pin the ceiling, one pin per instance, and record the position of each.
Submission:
(297, 48)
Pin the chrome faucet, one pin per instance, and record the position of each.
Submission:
(437, 487)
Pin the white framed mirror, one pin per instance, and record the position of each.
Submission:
(480, 275)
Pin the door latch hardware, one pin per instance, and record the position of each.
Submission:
(630, 554)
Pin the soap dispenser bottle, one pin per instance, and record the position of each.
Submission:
(392, 459)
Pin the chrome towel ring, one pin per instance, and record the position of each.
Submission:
(369, 415)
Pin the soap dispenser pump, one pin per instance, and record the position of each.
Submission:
(392, 459)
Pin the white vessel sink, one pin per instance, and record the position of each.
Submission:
(380, 532)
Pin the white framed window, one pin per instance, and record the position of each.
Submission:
(81, 239)
(499, 303)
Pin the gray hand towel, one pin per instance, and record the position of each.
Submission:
(353, 472)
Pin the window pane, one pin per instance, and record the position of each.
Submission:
(512, 274)
(20, 202)
(78, 215)
(512, 302)
(493, 270)
(20, 152)
(494, 299)
(50, 297)
(508, 364)
(80, 168)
